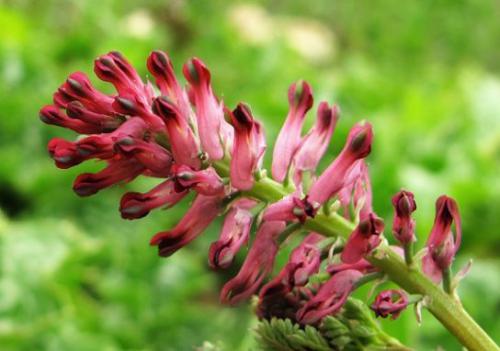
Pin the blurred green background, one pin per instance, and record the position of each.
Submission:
(74, 276)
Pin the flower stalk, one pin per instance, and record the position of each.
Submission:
(445, 307)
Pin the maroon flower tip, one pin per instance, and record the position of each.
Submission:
(158, 62)
(404, 203)
(243, 118)
(390, 303)
(132, 207)
(361, 140)
(50, 114)
(300, 96)
(372, 225)
(164, 107)
(446, 208)
(196, 72)
(84, 185)
(125, 105)
(64, 153)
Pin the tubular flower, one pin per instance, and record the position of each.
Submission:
(87, 184)
(300, 100)
(313, 146)
(137, 205)
(206, 181)
(357, 190)
(199, 216)
(390, 302)
(235, 233)
(330, 297)
(304, 261)
(442, 245)
(290, 208)
(209, 112)
(333, 179)
(161, 68)
(248, 147)
(258, 264)
(182, 139)
(403, 225)
(363, 239)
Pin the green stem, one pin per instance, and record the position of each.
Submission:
(445, 307)
(409, 253)
(447, 280)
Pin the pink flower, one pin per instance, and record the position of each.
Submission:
(64, 153)
(248, 147)
(52, 115)
(152, 156)
(289, 209)
(390, 302)
(182, 139)
(114, 68)
(357, 190)
(258, 264)
(330, 297)
(197, 218)
(137, 205)
(442, 245)
(78, 89)
(362, 265)
(403, 226)
(332, 180)
(161, 68)
(363, 239)
(206, 182)
(304, 262)
(300, 100)
(209, 112)
(315, 143)
(234, 234)
(87, 184)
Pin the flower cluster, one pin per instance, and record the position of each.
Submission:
(186, 137)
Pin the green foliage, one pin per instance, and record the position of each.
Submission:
(352, 329)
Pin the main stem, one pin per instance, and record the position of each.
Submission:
(445, 307)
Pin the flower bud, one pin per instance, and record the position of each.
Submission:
(442, 245)
(390, 303)
(403, 225)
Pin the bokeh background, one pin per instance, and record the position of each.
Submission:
(74, 276)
